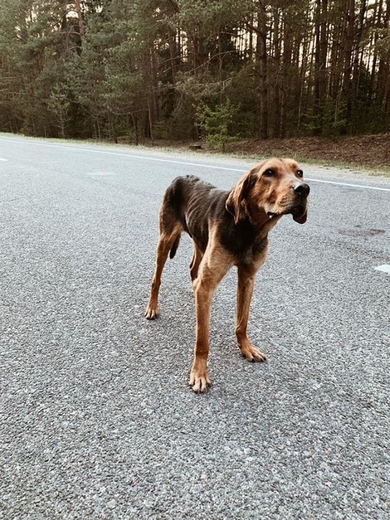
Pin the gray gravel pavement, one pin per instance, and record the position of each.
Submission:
(97, 419)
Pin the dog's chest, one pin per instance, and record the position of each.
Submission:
(243, 243)
(250, 254)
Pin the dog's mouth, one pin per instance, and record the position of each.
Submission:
(298, 212)
(296, 209)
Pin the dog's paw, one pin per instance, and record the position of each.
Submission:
(199, 380)
(151, 313)
(252, 354)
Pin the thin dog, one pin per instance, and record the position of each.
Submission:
(227, 228)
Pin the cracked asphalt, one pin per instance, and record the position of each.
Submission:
(97, 419)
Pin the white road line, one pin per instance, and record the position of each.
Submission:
(172, 161)
(129, 155)
(363, 186)
(185, 163)
(4, 160)
(384, 268)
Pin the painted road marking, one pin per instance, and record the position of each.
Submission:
(186, 163)
(4, 160)
(384, 268)
(366, 187)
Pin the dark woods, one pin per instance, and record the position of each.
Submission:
(175, 69)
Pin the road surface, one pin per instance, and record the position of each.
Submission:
(97, 419)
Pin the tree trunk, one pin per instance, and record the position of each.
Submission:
(383, 85)
(348, 36)
(80, 20)
(321, 47)
(263, 65)
(287, 54)
(278, 76)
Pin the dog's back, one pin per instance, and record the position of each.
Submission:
(188, 203)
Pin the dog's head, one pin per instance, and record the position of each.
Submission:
(272, 188)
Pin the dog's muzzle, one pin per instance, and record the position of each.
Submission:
(299, 211)
(301, 190)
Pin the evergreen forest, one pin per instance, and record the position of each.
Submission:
(186, 69)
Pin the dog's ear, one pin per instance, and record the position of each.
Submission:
(236, 201)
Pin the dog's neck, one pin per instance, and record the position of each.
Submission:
(260, 221)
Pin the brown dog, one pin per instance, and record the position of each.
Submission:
(227, 228)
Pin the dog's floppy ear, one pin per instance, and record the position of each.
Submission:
(236, 201)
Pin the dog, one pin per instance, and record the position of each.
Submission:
(228, 228)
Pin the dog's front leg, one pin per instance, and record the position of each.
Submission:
(210, 274)
(246, 280)
(199, 378)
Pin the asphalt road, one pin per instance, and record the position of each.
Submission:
(97, 419)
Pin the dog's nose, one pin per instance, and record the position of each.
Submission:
(302, 189)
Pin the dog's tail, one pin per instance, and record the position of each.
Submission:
(174, 247)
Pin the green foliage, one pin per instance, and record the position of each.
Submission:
(166, 68)
(329, 120)
(59, 105)
(216, 122)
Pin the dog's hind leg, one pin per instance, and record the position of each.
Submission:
(167, 243)
(196, 259)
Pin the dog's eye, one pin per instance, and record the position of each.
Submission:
(269, 172)
(299, 173)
